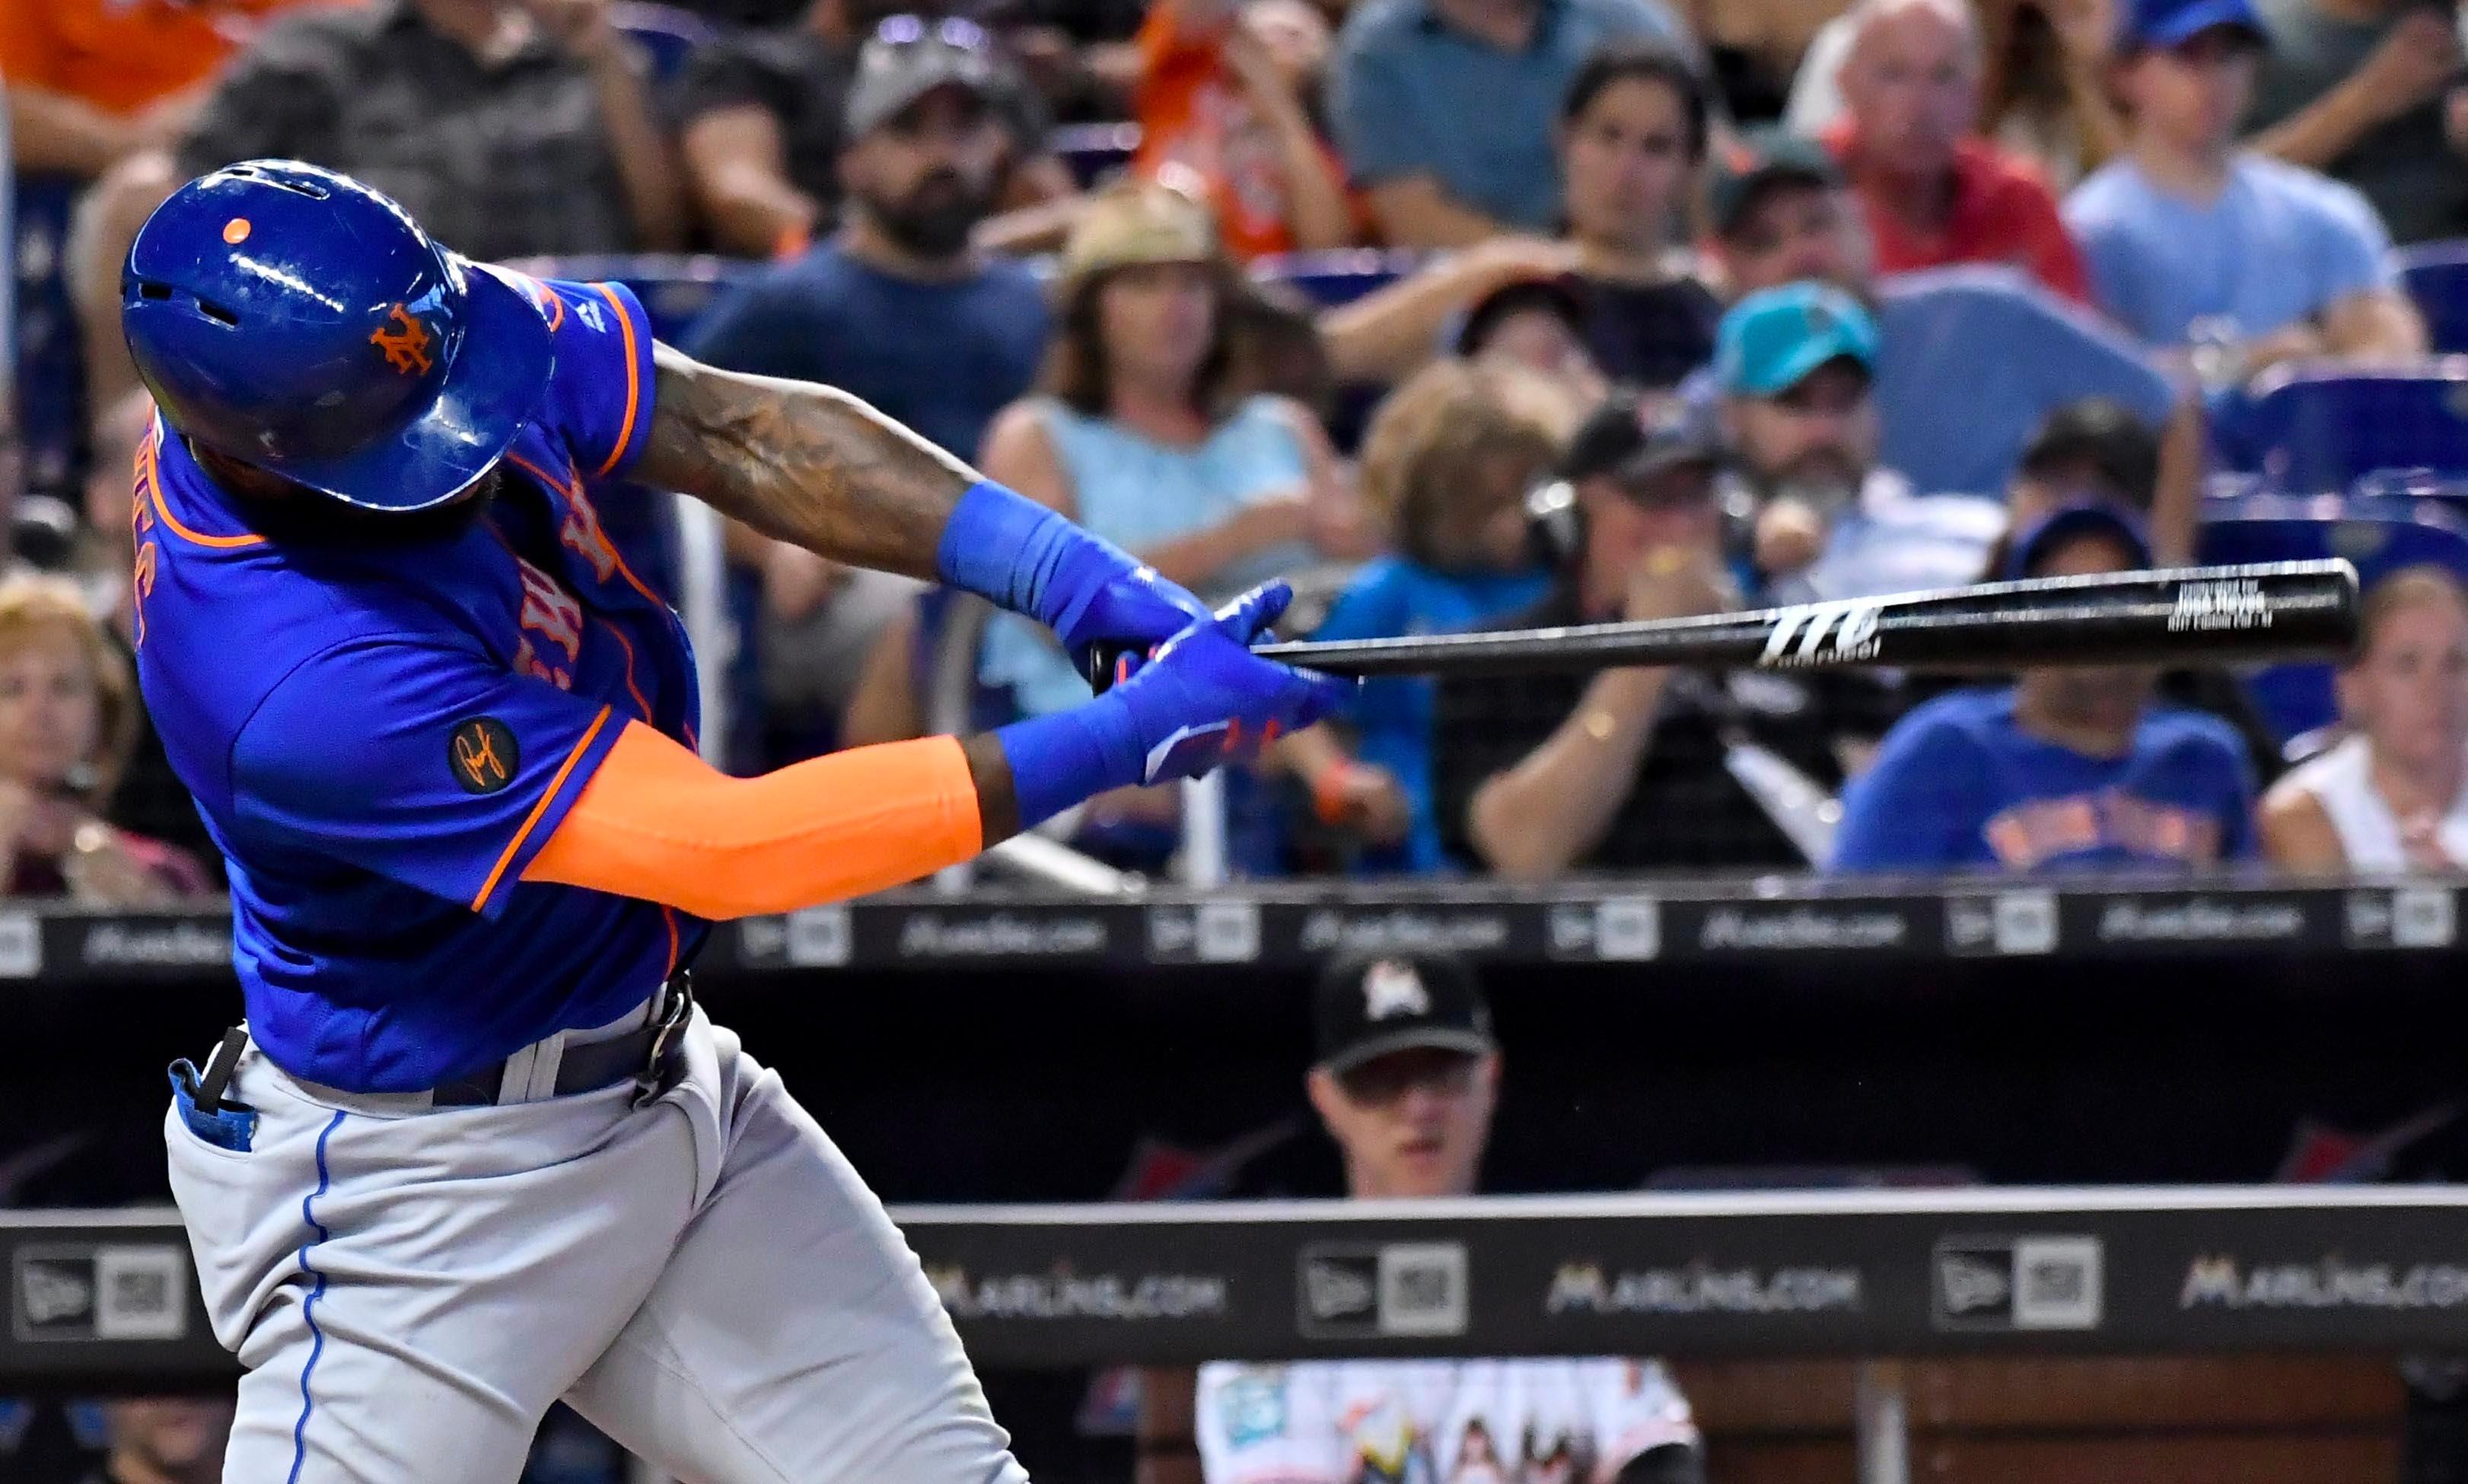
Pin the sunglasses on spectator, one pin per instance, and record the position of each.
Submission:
(951, 30)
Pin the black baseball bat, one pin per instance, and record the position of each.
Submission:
(2282, 610)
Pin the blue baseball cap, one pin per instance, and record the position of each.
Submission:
(2036, 542)
(2143, 25)
(1769, 342)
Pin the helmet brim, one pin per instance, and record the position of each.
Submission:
(495, 381)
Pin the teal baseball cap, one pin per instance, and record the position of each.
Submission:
(1771, 341)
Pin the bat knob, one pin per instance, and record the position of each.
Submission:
(1109, 664)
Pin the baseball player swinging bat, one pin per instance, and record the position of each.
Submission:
(2284, 610)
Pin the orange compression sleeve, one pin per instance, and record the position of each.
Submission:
(658, 823)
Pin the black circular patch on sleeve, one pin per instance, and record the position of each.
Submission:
(482, 754)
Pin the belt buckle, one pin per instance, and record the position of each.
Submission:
(677, 1010)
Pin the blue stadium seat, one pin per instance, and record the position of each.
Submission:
(2379, 535)
(675, 289)
(667, 35)
(2312, 429)
(1095, 151)
(2436, 275)
(1342, 275)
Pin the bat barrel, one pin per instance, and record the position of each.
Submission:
(2189, 616)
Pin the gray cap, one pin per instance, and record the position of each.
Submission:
(908, 57)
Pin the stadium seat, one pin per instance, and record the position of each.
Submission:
(675, 289)
(667, 35)
(1094, 152)
(2379, 535)
(2312, 429)
(50, 361)
(1338, 277)
(2436, 275)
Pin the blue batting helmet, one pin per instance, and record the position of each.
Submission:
(292, 318)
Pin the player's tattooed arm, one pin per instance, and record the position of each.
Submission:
(805, 464)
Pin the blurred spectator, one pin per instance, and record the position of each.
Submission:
(1446, 465)
(150, 801)
(2391, 796)
(1539, 325)
(899, 308)
(1933, 192)
(1538, 774)
(1223, 94)
(1798, 369)
(1443, 108)
(2044, 93)
(1405, 1082)
(2068, 767)
(2090, 450)
(2238, 260)
(508, 128)
(92, 81)
(68, 714)
(2367, 91)
(164, 1440)
(1970, 361)
(762, 119)
(1631, 134)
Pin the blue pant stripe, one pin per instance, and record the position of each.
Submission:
(308, 1309)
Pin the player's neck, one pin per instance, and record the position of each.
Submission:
(2414, 789)
(2198, 172)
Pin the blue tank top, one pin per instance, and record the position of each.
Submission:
(381, 733)
(1140, 494)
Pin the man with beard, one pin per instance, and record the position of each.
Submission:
(1796, 367)
(2068, 767)
(899, 308)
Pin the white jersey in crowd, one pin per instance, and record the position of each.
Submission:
(2341, 781)
(1434, 1421)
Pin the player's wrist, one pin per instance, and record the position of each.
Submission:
(1007, 549)
(1069, 757)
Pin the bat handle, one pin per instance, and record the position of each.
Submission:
(1109, 663)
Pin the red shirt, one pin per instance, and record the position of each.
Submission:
(2003, 212)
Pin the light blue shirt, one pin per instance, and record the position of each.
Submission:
(1410, 95)
(2280, 244)
(1140, 494)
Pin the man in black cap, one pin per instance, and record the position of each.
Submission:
(1405, 1082)
(1536, 775)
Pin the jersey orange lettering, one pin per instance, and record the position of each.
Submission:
(141, 586)
(581, 532)
(527, 662)
(548, 611)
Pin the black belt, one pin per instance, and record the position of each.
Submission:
(653, 1056)
(650, 1055)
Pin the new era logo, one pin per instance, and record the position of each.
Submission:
(2017, 1283)
(101, 1292)
(1399, 1289)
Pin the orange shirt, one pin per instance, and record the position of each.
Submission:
(1192, 113)
(122, 55)
(2003, 212)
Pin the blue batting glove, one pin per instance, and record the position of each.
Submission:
(1028, 560)
(1205, 697)
(1202, 699)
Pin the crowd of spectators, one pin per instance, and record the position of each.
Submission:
(1461, 313)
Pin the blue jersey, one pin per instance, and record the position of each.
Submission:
(382, 730)
(1957, 783)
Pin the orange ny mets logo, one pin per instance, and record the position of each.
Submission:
(483, 755)
(404, 341)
